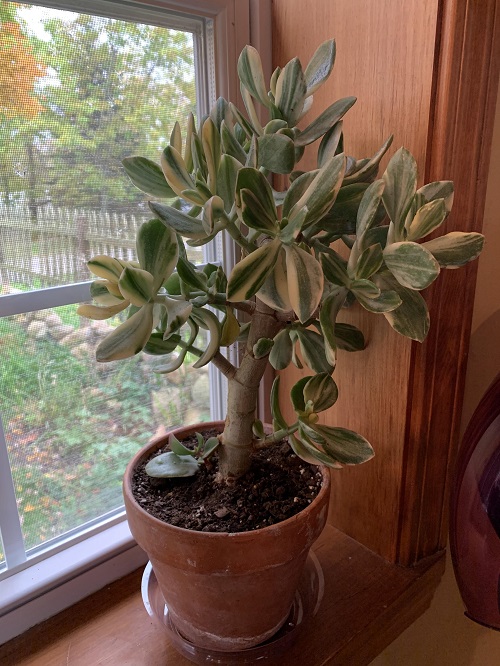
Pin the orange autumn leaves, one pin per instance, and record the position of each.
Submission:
(18, 72)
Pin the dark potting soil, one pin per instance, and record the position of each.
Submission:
(277, 486)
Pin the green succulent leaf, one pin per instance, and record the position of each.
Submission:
(193, 278)
(297, 395)
(365, 288)
(177, 315)
(178, 447)
(291, 91)
(321, 193)
(208, 320)
(412, 264)
(250, 273)
(262, 347)
(230, 329)
(183, 224)
(456, 248)
(308, 452)
(400, 180)
(231, 145)
(293, 227)
(411, 318)
(148, 177)
(255, 181)
(368, 207)
(251, 74)
(175, 171)
(429, 217)
(209, 447)
(157, 346)
(320, 66)
(312, 348)
(106, 267)
(281, 352)
(226, 180)
(157, 250)
(369, 168)
(102, 294)
(210, 141)
(274, 291)
(255, 215)
(349, 338)
(129, 338)
(136, 285)
(321, 391)
(334, 267)
(327, 317)
(330, 144)
(386, 301)
(296, 191)
(369, 262)
(170, 465)
(276, 153)
(344, 446)
(305, 281)
(325, 121)
(440, 189)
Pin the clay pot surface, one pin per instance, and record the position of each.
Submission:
(226, 591)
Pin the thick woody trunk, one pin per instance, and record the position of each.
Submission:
(237, 438)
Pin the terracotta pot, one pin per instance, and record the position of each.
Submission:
(226, 591)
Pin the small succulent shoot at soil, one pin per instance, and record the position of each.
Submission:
(181, 460)
(334, 236)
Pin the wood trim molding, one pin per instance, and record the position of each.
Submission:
(465, 85)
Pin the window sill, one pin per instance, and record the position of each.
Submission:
(368, 602)
(34, 593)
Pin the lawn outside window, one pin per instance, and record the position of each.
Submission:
(65, 421)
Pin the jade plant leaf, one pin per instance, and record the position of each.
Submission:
(168, 465)
(129, 338)
(412, 264)
(157, 250)
(456, 248)
(148, 177)
(320, 66)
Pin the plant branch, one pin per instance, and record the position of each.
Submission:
(276, 436)
(223, 365)
(237, 236)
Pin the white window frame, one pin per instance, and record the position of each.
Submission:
(41, 586)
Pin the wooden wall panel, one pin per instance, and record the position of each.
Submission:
(426, 70)
(385, 56)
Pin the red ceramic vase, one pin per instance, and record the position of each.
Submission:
(475, 513)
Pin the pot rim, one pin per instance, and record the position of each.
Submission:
(156, 442)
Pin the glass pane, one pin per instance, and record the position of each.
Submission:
(72, 424)
(80, 93)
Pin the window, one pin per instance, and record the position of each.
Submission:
(79, 92)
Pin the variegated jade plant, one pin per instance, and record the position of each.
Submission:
(290, 282)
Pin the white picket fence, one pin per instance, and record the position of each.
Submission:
(54, 249)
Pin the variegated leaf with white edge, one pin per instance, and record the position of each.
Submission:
(385, 301)
(274, 291)
(183, 224)
(214, 216)
(369, 262)
(322, 391)
(248, 276)
(345, 446)
(147, 176)
(291, 91)
(255, 215)
(330, 144)
(440, 189)
(136, 285)
(210, 140)
(227, 175)
(176, 137)
(177, 315)
(106, 267)
(365, 288)
(231, 145)
(309, 453)
(312, 349)
(293, 227)
(456, 248)
(412, 264)
(322, 191)
(305, 281)
(320, 66)
(129, 338)
(411, 317)
(279, 422)
(427, 218)
(296, 191)
(349, 338)
(251, 74)
(103, 295)
(400, 179)
(255, 181)
(213, 326)
(157, 250)
(370, 166)
(175, 171)
(325, 121)
(327, 317)
(369, 206)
